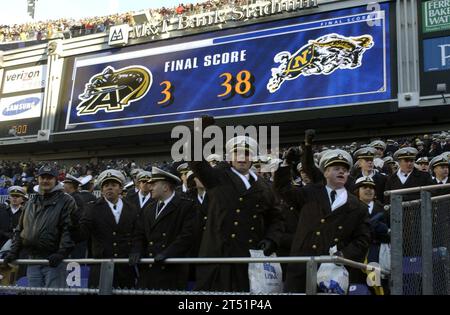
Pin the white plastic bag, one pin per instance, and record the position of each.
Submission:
(384, 258)
(264, 277)
(332, 278)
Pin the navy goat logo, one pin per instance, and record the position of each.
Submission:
(321, 56)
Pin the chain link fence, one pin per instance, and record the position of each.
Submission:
(420, 240)
(441, 245)
(412, 249)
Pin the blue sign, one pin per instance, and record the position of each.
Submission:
(317, 61)
(436, 55)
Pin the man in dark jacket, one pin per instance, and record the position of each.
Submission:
(439, 168)
(197, 193)
(183, 169)
(132, 188)
(365, 157)
(407, 176)
(165, 230)
(329, 217)
(143, 198)
(9, 216)
(71, 186)
(43, 231)
(109, 223)
(87, 187)
(243, 215)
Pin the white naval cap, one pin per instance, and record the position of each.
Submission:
(72, 179)
(135, 171)
(378, 144)
(364, 181)
(439, 160)
(159, 174)
(17, 191)
(446, 154)
(243, 143)
(128, 185)
(388, 160)
(406, 153)
(365, 153)
(261, 159)
(333, 157)
(114, 175)
(423, 160)
(143, 176)
(214, 157)
(86, 179)
(183, 168)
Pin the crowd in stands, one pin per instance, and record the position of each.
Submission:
(24, 173)
(68, 28)
(162, 209)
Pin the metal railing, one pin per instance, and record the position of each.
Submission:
(412, 232)
(107, 273)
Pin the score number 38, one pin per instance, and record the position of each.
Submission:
(242, 85)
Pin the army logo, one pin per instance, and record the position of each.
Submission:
(113, 90)
(321, 56)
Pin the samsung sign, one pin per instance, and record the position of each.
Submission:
(436, 54)
(21, 107)
(24, 79)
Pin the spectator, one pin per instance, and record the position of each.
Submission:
(45, 236)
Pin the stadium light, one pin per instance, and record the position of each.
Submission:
(31, 6)
(142, 17)
(442, 88)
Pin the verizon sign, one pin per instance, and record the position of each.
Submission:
(24, 79)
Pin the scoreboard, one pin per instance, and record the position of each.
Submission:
(323, 60)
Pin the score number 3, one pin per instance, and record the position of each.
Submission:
(242, 83)
(167, 92)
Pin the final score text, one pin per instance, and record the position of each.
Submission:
(206, 61)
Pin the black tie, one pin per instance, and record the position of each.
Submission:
(115, 207)
(159, 208)
(143, 199)
(251, 180)
(333, 196)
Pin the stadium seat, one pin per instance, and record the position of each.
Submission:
(358, 289)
